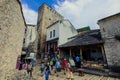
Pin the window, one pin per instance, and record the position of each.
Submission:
(103, 30)
(53, 33)
(50, 34)
(49, 18)
(31, 35)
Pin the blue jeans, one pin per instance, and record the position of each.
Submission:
(47, 76)
(33, 62)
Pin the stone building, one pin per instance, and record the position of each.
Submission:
(46, 17)
(30, 37)
(110, 30)
(12, 27)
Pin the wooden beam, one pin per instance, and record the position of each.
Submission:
(70, 52)
(103, 53)
(81, 53)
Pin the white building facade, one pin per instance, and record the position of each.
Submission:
(58, 34)
(30, 35)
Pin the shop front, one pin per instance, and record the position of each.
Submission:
(89, 47)
(91, 56)
(52, 47)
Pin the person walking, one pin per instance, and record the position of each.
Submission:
(29, 69)
(51, 64)
(47, 71)
(78, 62)
(72, 63)
(24, 67)
(64, 65)
(69, 71)
(54, 61)
(42, 67)
(58, 67)
(18, 62)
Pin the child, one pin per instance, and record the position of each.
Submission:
(24, 67)
(42, 66)
(69, 72)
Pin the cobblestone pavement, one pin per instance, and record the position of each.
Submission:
(36, 76)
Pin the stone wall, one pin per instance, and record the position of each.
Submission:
(110, 27)
(12, 27)
(46, 17)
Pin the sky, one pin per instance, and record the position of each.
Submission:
(81, 13)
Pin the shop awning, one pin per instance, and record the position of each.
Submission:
(88, 38)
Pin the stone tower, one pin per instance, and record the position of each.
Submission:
(46, 17)
(12, 27)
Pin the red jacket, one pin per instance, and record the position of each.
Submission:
(64, 64)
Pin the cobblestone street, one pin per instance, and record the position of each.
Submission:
(36, 76)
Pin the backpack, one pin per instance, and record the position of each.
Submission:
(77, 59)
(42, 65)
(24, 66)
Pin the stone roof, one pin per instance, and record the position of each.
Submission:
(60, 22)
(118, 14)
(88, 38)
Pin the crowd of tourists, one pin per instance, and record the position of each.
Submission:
(52, 65)
(25, 64)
